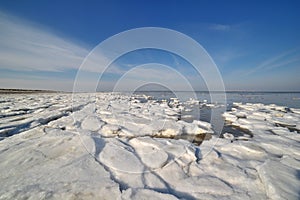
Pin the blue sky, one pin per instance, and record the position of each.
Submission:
(255, 44)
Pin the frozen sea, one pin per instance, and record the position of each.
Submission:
(288, 99)
(150, 145)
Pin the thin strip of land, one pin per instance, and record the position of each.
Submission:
(22, 91)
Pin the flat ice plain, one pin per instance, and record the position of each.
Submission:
(114, 146)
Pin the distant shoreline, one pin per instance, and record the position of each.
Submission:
(25, 91)
(32, 91)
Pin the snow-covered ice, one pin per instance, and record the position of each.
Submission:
(116, 146)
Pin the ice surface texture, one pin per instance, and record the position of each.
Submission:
(113, 146)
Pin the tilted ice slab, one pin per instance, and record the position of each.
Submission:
(275, 145)
(26, 111)
(114, 146)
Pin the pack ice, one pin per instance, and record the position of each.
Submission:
(118, 146)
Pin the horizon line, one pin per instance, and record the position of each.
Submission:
(140, 91)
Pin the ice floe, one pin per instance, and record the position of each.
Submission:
(118, 146)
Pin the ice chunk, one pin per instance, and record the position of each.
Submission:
(55, 166)
(229, 117)
(120, 158)
(109, 130)
(284, 184)
(92, 123)
(296, 110)
(228, 136)
(203, 125)
(151, 155)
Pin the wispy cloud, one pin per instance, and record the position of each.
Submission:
(31, 48)
(281, 60)
(220, 27)
(25, 46)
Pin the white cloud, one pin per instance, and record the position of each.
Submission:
(280, 60)
(24, 46)
(220, 27)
